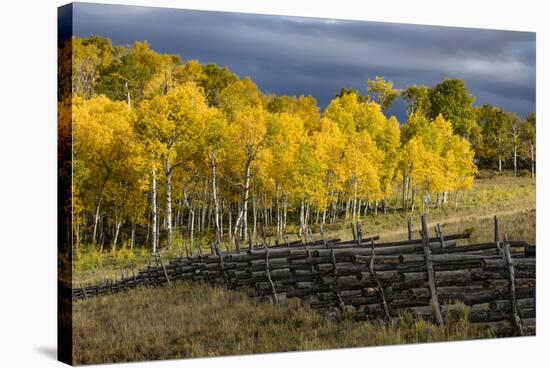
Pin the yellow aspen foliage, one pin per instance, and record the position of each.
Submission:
(162, 144)
(239, 95)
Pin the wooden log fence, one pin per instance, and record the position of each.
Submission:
(426, 276)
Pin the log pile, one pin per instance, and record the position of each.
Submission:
(424, 276)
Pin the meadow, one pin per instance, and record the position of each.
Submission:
(512, 199)
(186, 320)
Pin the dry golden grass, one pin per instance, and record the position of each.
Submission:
(196, 320)
(513, 200)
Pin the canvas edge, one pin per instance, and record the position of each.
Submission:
(64, 186)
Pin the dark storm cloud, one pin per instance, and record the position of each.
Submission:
(295, 55)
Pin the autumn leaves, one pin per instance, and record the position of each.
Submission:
(185, 150)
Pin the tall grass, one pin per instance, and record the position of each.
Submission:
(195, 320)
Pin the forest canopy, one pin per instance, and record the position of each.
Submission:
(166, 149)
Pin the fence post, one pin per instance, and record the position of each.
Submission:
(378, 283)
(268, 273)
(409, 227)
(84, 291)
(341, 304)
(512, 281)
(159, 258)
(440, 235)
(431, 274)
(353, 231)
(497, 237)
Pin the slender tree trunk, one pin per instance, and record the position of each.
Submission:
(355, 199)
(407, 191)
(77, 235)
(265, 210)
(285, 210)
(278, 211)
(404, 191)
(148, 227)
(245, 201)
(515, 136)
(317, 215)
(158, 228)
(154, 211)
(177, 215)
(192, 230)
(128, 95)
(238, 222)
(101, 235)
(209, 213)
(307, 217)
(190, 222)
(410, 197)
(215, 197)
(222, 209)
(230, 219)
(515, 160)
(204, 207)
(169, 200)
(303, 221)
(133, 235)
(117, 231)
(254, 215)
(243, 213)
(98, 207)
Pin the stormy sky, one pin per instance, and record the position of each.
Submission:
(312, 56)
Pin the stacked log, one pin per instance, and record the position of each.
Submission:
(425, 277)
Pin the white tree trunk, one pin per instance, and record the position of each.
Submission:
(96, 220)
(285, 210)
(169, 200)
(515, 160)
(230, 220)
(128, 95)
(117, 231)
(354, 212)
(215, 198)
(133, 235)
(243, 214)
(98, 207)
(191, 233)
(245, 201)
(154, 211)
